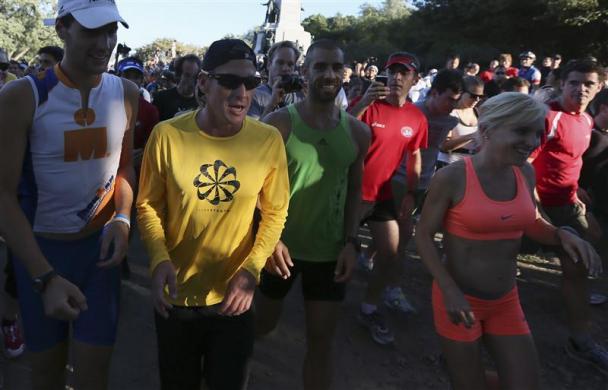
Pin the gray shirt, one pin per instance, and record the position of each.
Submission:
(262, 97)
(439, 127)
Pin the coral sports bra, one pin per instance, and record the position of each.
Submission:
(477, 217)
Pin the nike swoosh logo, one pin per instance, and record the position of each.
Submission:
(505, 217)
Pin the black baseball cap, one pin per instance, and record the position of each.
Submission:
(224, 50)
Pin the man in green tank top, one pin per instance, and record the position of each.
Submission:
(325, 149)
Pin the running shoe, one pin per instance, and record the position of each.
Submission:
(596, 298)
(395, 299)
(593, 354)
(13, 341)
(376, 324)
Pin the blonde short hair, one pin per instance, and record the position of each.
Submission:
(508, 109)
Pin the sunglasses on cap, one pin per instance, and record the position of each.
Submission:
(3, 66)
(231, 81)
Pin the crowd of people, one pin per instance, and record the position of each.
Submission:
(242, 179)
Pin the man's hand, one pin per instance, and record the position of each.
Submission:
(115, 234)
(376, 90)
(62, 300)
(278, 94)
(346, 264)
(239, 294)
(583, 196)
(279, 262)
(163, 275)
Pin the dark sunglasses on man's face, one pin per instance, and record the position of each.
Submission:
(475, 96)
(231, 81)
(3, 67)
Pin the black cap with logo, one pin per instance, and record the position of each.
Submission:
(224, 50)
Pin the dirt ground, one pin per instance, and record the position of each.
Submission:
(413, 362)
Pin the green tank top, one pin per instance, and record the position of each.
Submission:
(318, 163)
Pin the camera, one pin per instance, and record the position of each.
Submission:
(123, 49)
(291, 83)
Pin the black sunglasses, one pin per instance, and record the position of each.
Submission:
(232, 81)
(3, 67)
(475, 95)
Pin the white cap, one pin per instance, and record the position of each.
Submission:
(91, 14)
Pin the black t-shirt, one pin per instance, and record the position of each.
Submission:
(594, 174)
(170, 103)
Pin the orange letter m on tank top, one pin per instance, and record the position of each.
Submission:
(85, 144)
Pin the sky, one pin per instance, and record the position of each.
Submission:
(201, 22)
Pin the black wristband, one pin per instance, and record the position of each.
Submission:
(39, 284)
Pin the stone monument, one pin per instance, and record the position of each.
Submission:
(282, 23)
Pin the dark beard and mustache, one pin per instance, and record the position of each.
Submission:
(319, 96)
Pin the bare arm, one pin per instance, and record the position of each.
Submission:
(16, 113)
(453, 143)
(279, 262)
(546, 233)
(414, 168)
(125, 178)
(437, 202)
(279, 119)
(362, 137)
(61, 299)
(375, 91)
(117, 232)
(347, 258)
(441, 193)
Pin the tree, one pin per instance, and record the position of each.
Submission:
(161, 49)
(23, 31)
(477, 30)
(395, 9)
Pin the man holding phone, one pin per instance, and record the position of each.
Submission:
(399, 129)
(382, 79)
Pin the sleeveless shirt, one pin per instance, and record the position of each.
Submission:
(318, 164)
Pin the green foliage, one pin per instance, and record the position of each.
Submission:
(477, 30)
(23, 31)
(162, 47)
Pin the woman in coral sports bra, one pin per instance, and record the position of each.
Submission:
(484, 205)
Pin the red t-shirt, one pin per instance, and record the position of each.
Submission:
(558, 161)
(395, 130)
(147, 118)
(486, 75)
(512, 72)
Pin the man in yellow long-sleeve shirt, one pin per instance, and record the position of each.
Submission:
(202, 174)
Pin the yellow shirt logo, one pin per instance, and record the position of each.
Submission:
(217, 183)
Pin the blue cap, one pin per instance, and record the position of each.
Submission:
(128, 63)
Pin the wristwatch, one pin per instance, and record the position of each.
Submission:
(355, 241)
(39, 284)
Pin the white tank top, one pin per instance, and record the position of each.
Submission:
(458, 131)
(73, 157)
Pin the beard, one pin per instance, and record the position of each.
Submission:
(324, 97)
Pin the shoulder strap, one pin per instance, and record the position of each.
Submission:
(294, 116)
(42, 84)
